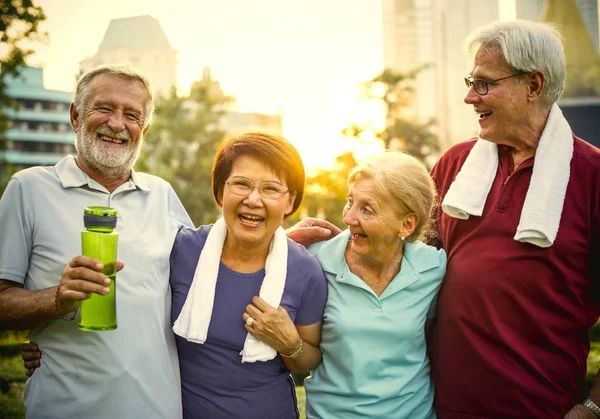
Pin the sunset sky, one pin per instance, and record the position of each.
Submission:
(304, 58)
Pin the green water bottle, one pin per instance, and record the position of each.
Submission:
(99, 241)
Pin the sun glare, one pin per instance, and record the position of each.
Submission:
(262, 54)
(343, 107)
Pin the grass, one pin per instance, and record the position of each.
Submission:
(12, 375)
(301, 396)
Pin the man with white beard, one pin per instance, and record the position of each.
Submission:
(132, 371)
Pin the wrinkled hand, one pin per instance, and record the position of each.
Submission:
(272, 326)
(81, 278)
(312, 230)
(31, 357)
(579, 411)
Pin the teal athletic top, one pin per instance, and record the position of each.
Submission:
(375, 362)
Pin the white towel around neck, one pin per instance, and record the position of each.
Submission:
(540, 216)
(194, 319)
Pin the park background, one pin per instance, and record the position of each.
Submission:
(341, 79)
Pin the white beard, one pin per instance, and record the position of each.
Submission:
(112, 162)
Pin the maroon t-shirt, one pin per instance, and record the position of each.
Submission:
(511, 339)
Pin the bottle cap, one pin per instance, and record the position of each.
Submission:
(99, 217)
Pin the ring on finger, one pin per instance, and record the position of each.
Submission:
(249, 321)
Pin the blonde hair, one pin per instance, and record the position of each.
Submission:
(406, 181)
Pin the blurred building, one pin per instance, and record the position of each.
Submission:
(580, 102)
(409, 32)
(40, 131)
(588, 9)
(236, 122)
(432, 32)
(232, 121)
(140, 42)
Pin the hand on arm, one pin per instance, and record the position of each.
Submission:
(275, 328)
(24, 309)
(312, 230)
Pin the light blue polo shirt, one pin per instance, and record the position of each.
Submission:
(130, 372)
(375, 362)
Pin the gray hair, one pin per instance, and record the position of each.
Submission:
(406, 181)
(526, 46)
(80, 96)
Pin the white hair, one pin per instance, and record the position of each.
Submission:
(80, 96)
(526, 46)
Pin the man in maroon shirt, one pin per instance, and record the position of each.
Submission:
(511, 339)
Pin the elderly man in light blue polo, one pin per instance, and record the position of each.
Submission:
(132, 371)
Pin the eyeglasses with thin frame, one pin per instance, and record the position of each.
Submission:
(482, 86)
(268, 190)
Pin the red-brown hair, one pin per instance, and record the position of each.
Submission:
(274, 151)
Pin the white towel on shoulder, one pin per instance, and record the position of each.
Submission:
(194, 319)
(540, 216)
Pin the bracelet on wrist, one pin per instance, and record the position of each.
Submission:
(592, 406)
(296, 353)
(56, 308)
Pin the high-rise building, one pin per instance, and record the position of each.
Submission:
(588, 9)
(408, 43)
(40, 131)
(419, 32)
(529, 9)
(233, 121)
(140, 42)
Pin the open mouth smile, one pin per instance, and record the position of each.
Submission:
(106, 138)
(484, 115)
(250, 219)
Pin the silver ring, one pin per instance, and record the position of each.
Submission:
(249, 322)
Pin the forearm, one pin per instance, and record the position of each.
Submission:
(308, 360)
(587, 410)
(594, 393)
(22, 309)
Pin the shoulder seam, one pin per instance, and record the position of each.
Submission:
(585, 156)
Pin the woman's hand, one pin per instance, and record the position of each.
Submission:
(312, 230)
(31, 357)
(272, 326)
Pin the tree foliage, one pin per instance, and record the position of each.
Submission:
(327, 190)
(19, 22)
(395, 91)
(181, 144)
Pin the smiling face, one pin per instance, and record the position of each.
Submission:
(252, 220)
(375, 227)
(110, 132)
(504, 110)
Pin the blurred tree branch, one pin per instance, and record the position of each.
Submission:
(181, 144)
(395, 90)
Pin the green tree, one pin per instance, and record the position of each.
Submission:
(181, 144)
(395, 91)
(326, 191)
(19, 22)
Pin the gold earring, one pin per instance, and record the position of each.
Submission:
(402, 238)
